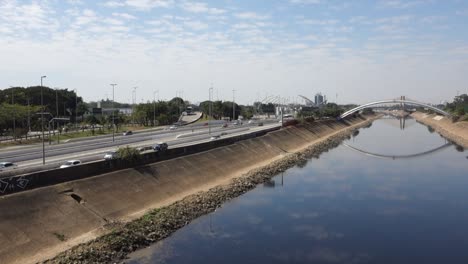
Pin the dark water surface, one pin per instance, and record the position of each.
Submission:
(345, 207)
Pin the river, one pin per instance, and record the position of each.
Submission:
(380, 197)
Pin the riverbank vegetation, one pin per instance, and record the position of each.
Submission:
(458, 108)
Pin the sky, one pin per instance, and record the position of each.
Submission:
(351, 51)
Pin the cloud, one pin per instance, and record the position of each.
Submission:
(251, 16)
(196, 25)
(305, 2)
(402, 4)
(197, 7)
(124, 15)
(144, 5)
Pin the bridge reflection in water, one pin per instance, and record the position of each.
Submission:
(394, 157)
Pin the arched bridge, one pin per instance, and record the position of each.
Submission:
(393, 101)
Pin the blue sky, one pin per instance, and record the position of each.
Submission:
(358, 50)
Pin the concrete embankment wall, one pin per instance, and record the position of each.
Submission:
(15, 181)
(454, 131)
(37, 224)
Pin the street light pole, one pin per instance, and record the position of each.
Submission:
(113, 110)
(14, 117)
(134, 103)
(42, 122)
(233, 105)
(76, 109)
(154, 107)
(210, 91)
(56, 106)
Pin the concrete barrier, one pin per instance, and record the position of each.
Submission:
(17, 183)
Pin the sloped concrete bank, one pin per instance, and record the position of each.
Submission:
(160, 223)
(456, 132)
(38, 224)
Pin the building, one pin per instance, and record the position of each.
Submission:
(319, 99)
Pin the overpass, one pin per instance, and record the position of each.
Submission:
(402, 101)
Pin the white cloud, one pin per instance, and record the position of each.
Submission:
(144, 5)
(196, 25)
(305, 2)
(319, 22)
(402, 4)
(251, 15)
(198, 7)
(124, 15)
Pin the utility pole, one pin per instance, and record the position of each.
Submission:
(42, 122)
(154, 107)
(56, 106)
(113, 110)
(233, 105)
(134, 102)
(29, 117)
(210, 91)
(76, 109)
(14, 117)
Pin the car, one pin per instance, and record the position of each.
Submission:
(215, 137)
(110, 155)
(7, 166)
(144, 148)
(223, 133)
(172, 127)
(70, 163)
(260, 123)
(224, 125)
(128, 133)
(161, 146)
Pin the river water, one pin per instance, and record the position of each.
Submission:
(402, 203)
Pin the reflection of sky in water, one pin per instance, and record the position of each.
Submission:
(344, 207)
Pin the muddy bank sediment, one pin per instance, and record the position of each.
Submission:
(160, 223)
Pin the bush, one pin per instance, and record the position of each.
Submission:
(128, 153)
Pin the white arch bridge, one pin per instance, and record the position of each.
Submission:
(393, 101)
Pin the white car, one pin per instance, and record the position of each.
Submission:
(111, 155)
(215, 137)
(173, 128)
(70, 163)
(4, 166)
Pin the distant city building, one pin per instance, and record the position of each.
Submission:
(319, 99)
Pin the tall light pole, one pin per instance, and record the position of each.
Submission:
(210, 91)
(42, 122)
(29, 118)
(113, 110)
(134, 102)
(14, 117)
(233, 105)
(76, 108)
(154, 107)
(57, 114)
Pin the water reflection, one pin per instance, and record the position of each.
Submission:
(407, 156)
(342, 208)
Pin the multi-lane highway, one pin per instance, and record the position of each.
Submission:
(92, 149)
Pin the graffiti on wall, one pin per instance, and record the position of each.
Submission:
(13, 184)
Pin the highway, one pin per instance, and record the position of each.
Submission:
(29, 158)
